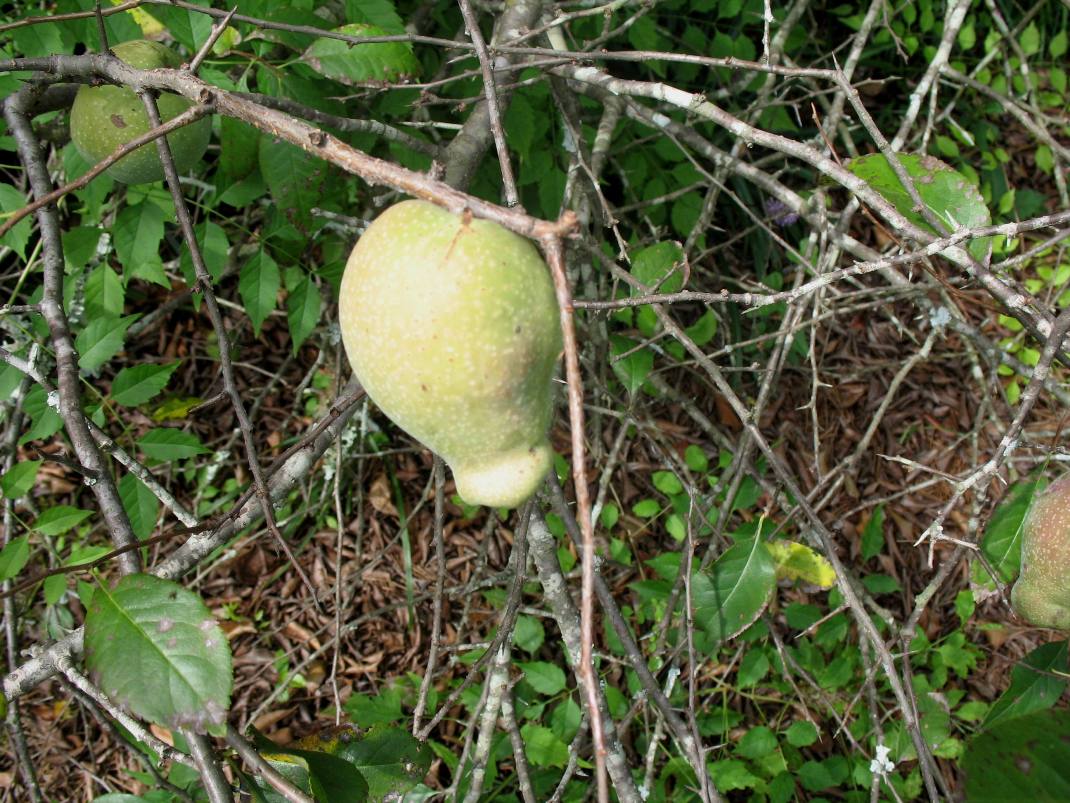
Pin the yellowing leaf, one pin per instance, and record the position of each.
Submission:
(175, 408)
(797, 561)
(149, 25)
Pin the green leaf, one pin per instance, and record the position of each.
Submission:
(80, 246)
(368, 710)
(545, 678)
(139, 383)
(59, 519)
(801, 733)
(239, 143)
(259, 286)
(16, 239)
(375, 12)
(294, 179)
(632, 370)
(609, 516)
(652, 266)
(646, 508)
(167, 444)
(46, 421)
(326, 777)
(214, 247)
(1001, 542)
(19, 479)
(667, 483)
(948, 193)
(542, 747)
(529, 633)
(54, 587)
(1058, 45)
(391, 760)
(1020, 759)
(873, 534)
(732, 593)
(104, 294)
(141, 505)
(14, 556)
(137, 233)
(696, 459)
(757, 742)
(1035, 684)
(155, 649)
(303, 310)
(101, 340)
(1030, 40)
(359, 64)
(703, 330)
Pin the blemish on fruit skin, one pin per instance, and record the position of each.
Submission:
(118, 121)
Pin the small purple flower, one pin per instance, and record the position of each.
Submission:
(780, 212)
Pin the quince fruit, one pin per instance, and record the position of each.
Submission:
(452, 326)
(1041, 595)
(105, 117)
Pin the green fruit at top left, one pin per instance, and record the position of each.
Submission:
(105, 117)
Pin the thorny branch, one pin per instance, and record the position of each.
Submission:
(820, 290)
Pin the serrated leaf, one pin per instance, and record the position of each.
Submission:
(1037, 683)
(59, 519)
(948, 193)
(101, 340)
(294, 179)
(139, 383)
(259, 286)
(545, 678)
(20, 478)
(166, 444)
(14, 556)
(303, 310)
(141, 505)
(391, 760)
(104, 294)
(796, 561)
(154, 648)
(137, 233)
(358, 64)
(732, 593)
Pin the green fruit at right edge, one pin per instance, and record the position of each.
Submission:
(452, 327)
(1041, 594)
(105, 117)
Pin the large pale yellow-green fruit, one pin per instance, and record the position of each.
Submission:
(1041, 594)
(452, 327)
(105, 117)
